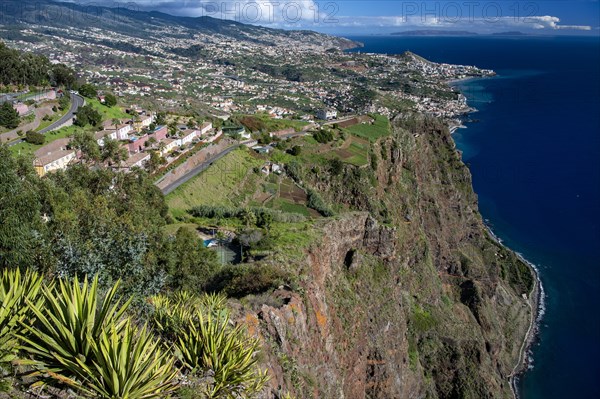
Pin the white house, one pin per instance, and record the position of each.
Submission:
(123, 131)
(188, 135)
(103, 134)
(54, 161)
(136, 160)
(170, 145)
(145, 121)
(205, 128)
(327, 114)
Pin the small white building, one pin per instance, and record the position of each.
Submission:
(205, 128)
(188, 135)
(136, 160)
(103, 134)
(123, 131)
(57, 160)
(169, 145)
(327, 114)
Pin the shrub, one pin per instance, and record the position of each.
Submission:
(323, 136)
(207, 344)
(316, 202)
(16, 292)
(93, 348)
(34, 138)
(241, 280)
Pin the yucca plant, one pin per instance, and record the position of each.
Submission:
(214, 347)
(69, 322)
(16, 291)
(128, 364)
(90, 345)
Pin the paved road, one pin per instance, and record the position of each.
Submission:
(198, 169)
(76, 102)
(203, 166)
(39, 114)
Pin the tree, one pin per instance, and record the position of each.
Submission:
(154, 162)
(88, 90)
(112, 152)
(110, 100)
(192, 264)
(295, 150)
(21, 230)
(64, 102)
(87, 144)
(191, 124)
(9, 117)
(62, 75)
(34, 138)
(87, 115)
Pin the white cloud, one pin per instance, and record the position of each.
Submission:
(313, 14)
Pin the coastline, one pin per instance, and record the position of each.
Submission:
(536, 302)
(536, 298)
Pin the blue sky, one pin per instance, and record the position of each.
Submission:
(386, 16)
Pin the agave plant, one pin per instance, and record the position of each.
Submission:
(213, 347)
(69, 322)
(128, 364)
(93, 347)
(16, 291)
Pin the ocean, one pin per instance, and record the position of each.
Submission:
(533, 149)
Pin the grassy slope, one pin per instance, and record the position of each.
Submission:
(222, 184)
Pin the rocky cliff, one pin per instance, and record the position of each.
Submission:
(405, 295)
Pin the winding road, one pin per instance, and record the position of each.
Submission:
(76, 102)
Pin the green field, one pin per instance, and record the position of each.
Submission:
(380, 128)
(106, 112)
(28, 149)
(228, 182)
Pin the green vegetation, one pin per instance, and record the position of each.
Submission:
(9, 117)
(87, 115)
(18, 67)
(380, 128)
(110, 100)
(34, 138)
(66, 334)
(106, 112)
(28, 149)
(88, 90)
(227, 180)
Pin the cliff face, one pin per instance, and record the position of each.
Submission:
(406, 295)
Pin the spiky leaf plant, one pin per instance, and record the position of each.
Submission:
(129, 364)
(69, 321)
(212, 346)
(16, 290)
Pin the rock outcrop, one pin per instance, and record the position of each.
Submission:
(404, 296)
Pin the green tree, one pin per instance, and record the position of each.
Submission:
(9, 117)
(192, 264)
(112, 152)
(22, 229)
(88, 90)
(110, 100)
(34, 138)
(87, 115)
(64, 102)
(87, 144)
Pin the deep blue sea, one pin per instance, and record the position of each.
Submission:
(534, 152)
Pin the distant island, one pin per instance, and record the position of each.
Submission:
(436, 32)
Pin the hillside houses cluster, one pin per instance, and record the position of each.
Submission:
(138, 137)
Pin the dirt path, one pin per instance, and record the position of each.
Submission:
(39, 114)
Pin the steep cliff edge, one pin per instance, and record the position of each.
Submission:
(405, 295)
